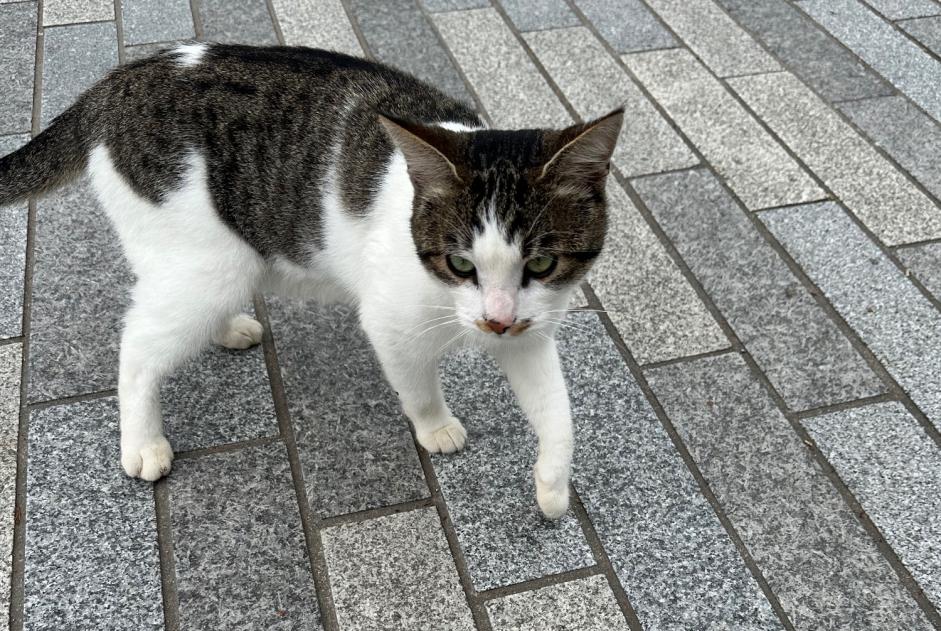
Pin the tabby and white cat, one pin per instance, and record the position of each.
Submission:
(228, 170)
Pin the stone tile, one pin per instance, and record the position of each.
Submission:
(715, 38)
(586, 604)
(395, 572)
(806, 357)
(454, 5)
(70, 11)
(901, 9)
(17, 59)
(141, 51)
(510, 87)
(906, 133)
(891, 316)
(925, 30)
(817, 558)
(595, 84)
(146, 21)
(91, 531)
(755, 165)
(12, 253)
(883, 199)
(894, 469)
(538, 15)
(399, 34)
(924, 261)
(627, 25)
(807, 50)
(11, 358)
(237, 22)
(654, 308)
(74, 58)
(355, 446)
(912, 70)
(240, 554)
(316, 23)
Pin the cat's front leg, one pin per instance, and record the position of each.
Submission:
(536, 376)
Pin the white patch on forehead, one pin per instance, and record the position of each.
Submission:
(498, 260)
(189, 54)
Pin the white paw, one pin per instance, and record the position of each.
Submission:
(553, 498)
(446, 439)
(149, 461)
(242, 332)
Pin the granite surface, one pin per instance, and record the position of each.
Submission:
(925, 30)
(316, 23)
(11, 359)
(585, 604)
(237, 22)
(70, 11)
(924, 261)
(454, 5)
(901, 9)
(539, 15)
(17, 55)
(13, 219)
(627, 25)
(148, 21)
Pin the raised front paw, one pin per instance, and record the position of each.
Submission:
(149, 460)
(242, 331)
(445, 439)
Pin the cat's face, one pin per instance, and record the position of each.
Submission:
(508, 221)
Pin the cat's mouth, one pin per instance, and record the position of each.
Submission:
(492, 326)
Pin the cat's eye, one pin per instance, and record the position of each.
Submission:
(460, 266)
(540, 266)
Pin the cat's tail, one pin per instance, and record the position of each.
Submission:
(53, 158)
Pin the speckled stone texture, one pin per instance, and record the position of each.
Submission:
(74, 58)
(316, 23)
(240, 554)
(594, 84)
(894, 469)
(355, 446)
(91, 533)
(925, 30)
(716, 39)
(17, 54)
(869, 185)
(627, 25)
(133, 53)
(237, 22)
(539, 15)
(656, 311)
(906, 133)
(924, 261)
(901, 9)
(10, 363)
(400, 35)
(586, 604)
(807, 50)
(70, 11)
(824, 568)
(454, 5)
(891, 316)
(512, 91)
(913, 71)
(12, 254)
(671, 554)
(755, 165)
(395, 572)
(148, 21)
(806, 357)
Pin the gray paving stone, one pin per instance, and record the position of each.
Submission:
(756, 167)
(240, 554)
(71, 11)
(715, 38)
(400, 35)
(316, 23)
(807, 50)
(627, 25)
(586, 604)
(924, 261)
(91, 531)
(824, 568)
(17, 57)
(906, 133)
(912, 70)
(74, 58)
(594, 84)
(395, 572)
(237, 22)
(510, 87)
(147, 21)
(869, 185)
(141, 51)
(894, 470)
(654, 308)
(901, 9)
(12, 253)
(891, 316)
(925, 30)
(806, 357)
(355, 446)
(454, 5)
(10, 364)
(538, 15)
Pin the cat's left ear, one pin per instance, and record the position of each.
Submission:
(583, 152)
(429, 152)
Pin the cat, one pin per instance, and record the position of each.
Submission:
(228, 170)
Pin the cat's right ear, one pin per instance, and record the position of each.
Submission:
(429, 153)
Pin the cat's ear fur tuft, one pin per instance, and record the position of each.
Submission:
(429, 152)
(583, 151)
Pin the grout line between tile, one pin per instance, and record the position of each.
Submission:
(375, 513)
(119, 30)
(197, 19)
(844, 405)
(539, 583)
(194, 454)
(914, 244)
(688, 358)
(275, 22)
(77, 398)
(894, 24)
(354, 24)
(168, 587)
(11, 340)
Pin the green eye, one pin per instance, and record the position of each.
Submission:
(460, 266)
(540, 265)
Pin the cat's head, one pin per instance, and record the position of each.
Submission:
(509, 221)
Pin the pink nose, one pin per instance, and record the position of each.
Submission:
(498, 327)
